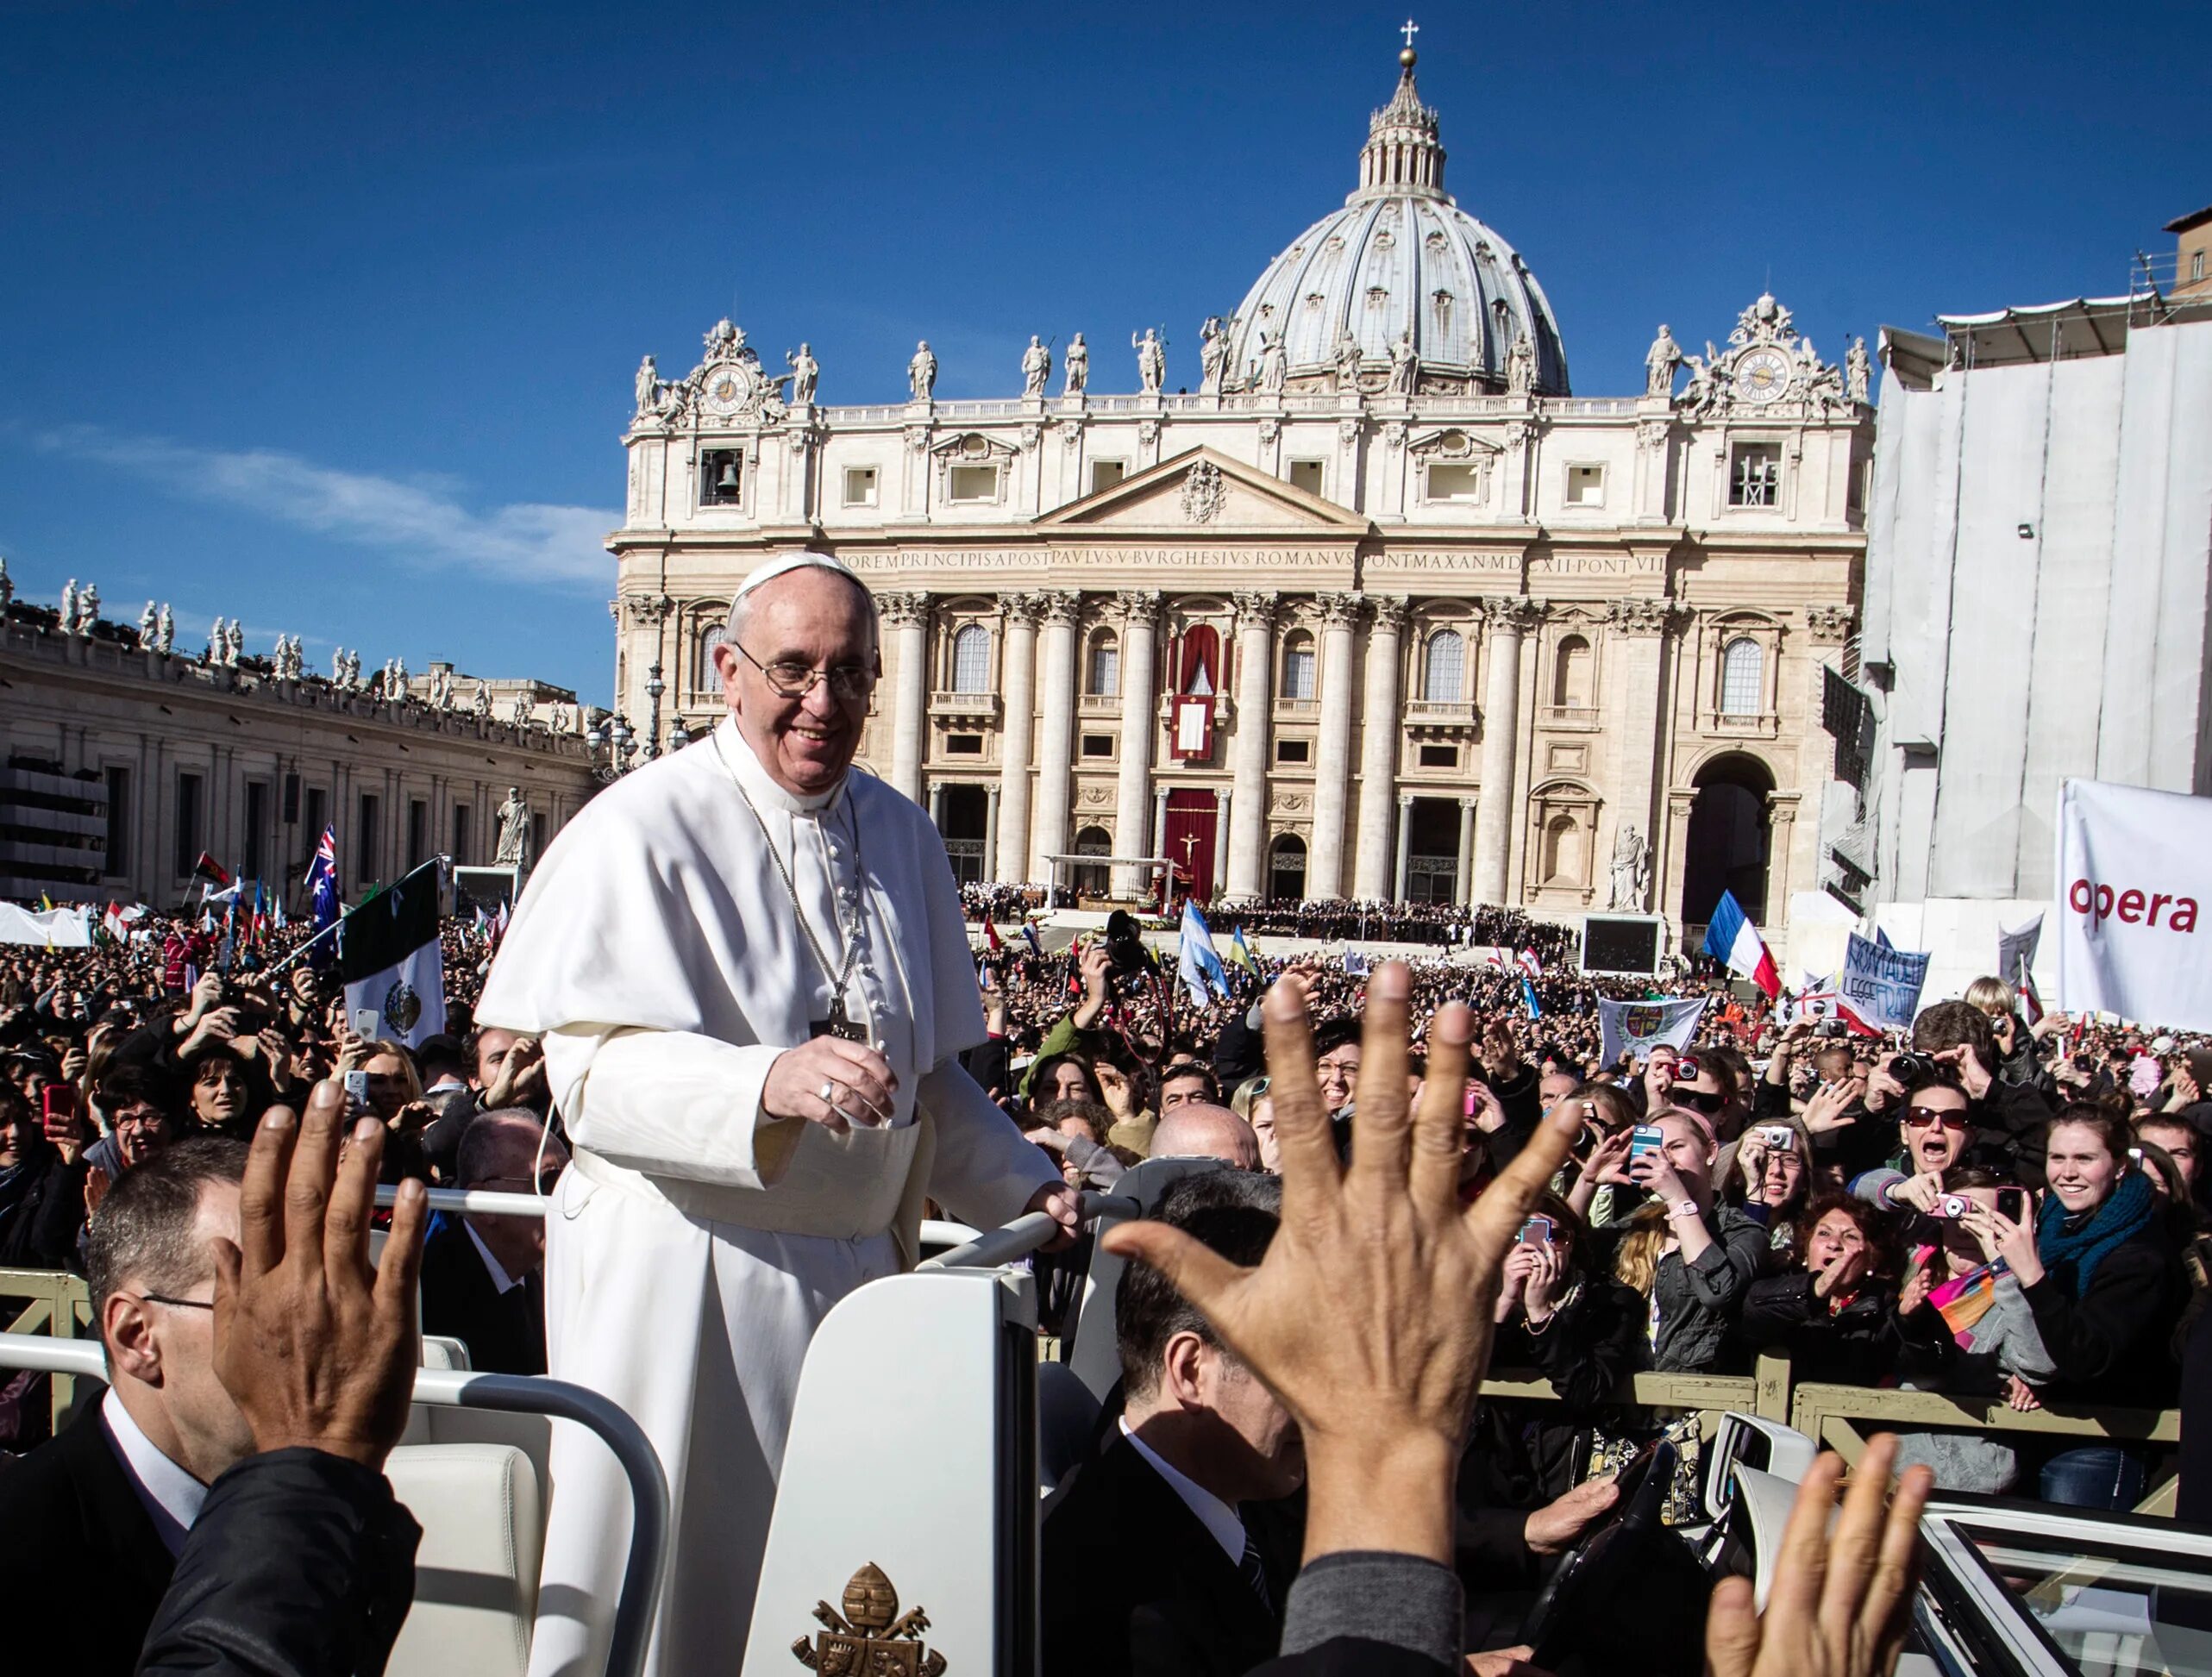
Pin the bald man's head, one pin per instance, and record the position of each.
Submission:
(1193, 1130)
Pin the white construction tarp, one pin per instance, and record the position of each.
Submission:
(46, 929)
(2135, 867)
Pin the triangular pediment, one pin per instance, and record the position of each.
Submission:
(1199, 492)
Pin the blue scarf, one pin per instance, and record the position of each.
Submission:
(2120, 1218)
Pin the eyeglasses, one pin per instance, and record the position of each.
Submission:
(1921, 1117)
(1708, 1101)
(544, 1182)
(177, 1304)
(793, 678)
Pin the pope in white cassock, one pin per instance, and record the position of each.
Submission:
(753, 978)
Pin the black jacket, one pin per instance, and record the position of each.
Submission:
(1135, 1586)
(79, 1550)
(2110, 1345)
(300, 1565)
(1856, 1346)
(504, 1332)
(42, 1210)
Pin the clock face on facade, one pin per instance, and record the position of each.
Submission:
(725, 391)
(1762, 375)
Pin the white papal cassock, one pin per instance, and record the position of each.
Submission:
(694, 1247)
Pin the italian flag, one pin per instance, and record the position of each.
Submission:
(388, 957)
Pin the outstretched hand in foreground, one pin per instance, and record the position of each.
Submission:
(1371, 1316)
(317, 1348)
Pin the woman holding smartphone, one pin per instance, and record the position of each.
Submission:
(2098, 1274)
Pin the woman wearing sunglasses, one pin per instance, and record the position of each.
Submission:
(1935, 1126)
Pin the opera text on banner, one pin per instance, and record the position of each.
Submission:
(2134, 866)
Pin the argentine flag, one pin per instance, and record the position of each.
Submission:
(1730, 937)
(1199, 968)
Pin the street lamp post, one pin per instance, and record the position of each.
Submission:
(654, 688)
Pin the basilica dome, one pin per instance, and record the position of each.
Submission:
(1400, 257)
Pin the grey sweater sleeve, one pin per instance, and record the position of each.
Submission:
(1405, 1600)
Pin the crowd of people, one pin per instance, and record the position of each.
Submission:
(1983, 1206)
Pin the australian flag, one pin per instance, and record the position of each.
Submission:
(323, 891)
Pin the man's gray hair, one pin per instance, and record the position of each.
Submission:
(490, 1133)
(145, 1236)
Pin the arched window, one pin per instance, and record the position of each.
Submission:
(1297, 661)
(1102, 671)
(1444, 673)
(1743, 678)
(1287, 869)
(703, 679)
(1570, 675)
(971, 659)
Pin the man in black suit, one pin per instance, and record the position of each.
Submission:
(1162, 1558)
(484, 1275)
(90, 1523)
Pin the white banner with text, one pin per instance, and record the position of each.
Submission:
(2134, 866)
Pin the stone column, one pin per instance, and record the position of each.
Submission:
(1510, 618)
(1222, 802)
(936, 805)
(1466, 848)
(992, 797)
(1009, 856)
(1055, 747)
(1159, 821)
(1404, 836)
(1140, 619)
(1378, 748)
(1248, 826)
(908, 615)
(1640, 626)
(1324, 863)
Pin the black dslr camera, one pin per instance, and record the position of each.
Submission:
(1126, 956)
(1912, 1067)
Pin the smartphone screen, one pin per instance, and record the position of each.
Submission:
(356, 1093)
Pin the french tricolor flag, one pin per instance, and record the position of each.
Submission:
(1730, 937)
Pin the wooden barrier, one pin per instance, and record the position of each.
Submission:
(60, 1305)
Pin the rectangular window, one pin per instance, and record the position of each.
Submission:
(860, 485)
(1305, 475)
(460, 853)
(1298, 674)
(721, 477)
(1586, 485)
(1293, 751)
(1104, 474)
(118, 821)
(418, 831)
(318, 811)
(1439, 756)
(190, 813)
(2196, 266)
(257, 815)
(1098, 745)
(366, 849)
(963, 745)
(1455, 483)
(972, 483)
(1755, 475)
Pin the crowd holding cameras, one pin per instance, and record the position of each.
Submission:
(1829, 1197)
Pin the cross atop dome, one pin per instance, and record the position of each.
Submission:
(1402, 154)
(1409, 29)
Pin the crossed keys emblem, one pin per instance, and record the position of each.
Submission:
(871, 1637)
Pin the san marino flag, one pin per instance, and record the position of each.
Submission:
(388, 957)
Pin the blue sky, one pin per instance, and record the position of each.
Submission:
(326, 315)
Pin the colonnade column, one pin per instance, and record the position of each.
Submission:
(1510, 618)
(1140, 608)
(1055, 746)
(1008, 861)
(1325, 865)
(1378, 749)
(1222, 804)
(1466, 846)
(992, 796)
(909, 617)
(1405, 831)
(1248, 819)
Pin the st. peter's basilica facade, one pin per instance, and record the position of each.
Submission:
(1380, 610)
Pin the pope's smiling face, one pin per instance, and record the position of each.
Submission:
(817, 621)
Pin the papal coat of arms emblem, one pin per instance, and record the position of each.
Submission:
(402, 1007)
(1638, 1022)
(871, 1637)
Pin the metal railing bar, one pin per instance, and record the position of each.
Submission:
(1025, 1234)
